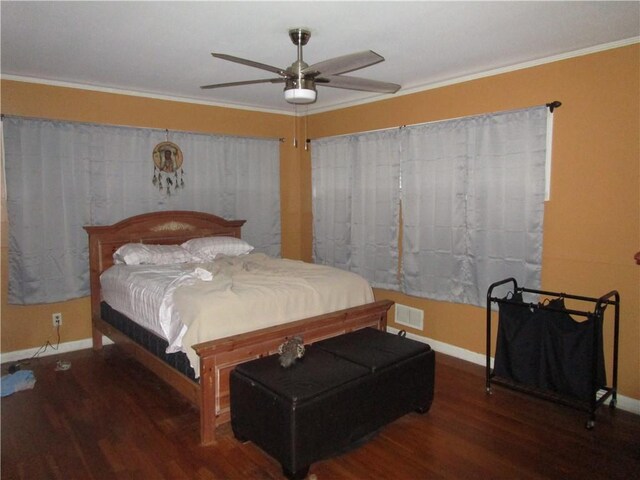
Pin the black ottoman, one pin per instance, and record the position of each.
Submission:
(341, 391)
(298, 414)
(403, 369)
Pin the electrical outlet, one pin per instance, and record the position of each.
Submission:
(56, 318)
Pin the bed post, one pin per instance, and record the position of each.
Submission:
(94, 283)
(96, 333)
(207, 400)
(97, 338)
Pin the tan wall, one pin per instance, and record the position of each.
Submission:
(592, 222)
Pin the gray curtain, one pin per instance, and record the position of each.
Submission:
(434, 192)
(473, 204)
(472, 192)
(356, 205)
(62, 175)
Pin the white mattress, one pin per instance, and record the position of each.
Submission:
(193, 303)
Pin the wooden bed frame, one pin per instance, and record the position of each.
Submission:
(217, 357)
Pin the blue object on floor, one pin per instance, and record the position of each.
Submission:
(20, 380)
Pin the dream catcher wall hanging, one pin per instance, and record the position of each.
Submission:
(167, 167)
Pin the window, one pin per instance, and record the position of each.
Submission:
(472, 203)
(62, 176)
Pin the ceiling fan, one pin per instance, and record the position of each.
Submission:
(300, 79)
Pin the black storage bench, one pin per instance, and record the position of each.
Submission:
(343, 390)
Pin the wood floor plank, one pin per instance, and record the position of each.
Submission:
(109, 418)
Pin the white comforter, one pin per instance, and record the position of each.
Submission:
(231, 295)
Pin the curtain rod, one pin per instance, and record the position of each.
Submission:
(166, 130)
(551, 106)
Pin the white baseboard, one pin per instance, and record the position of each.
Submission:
(627, 404)
(624, 403)
(62, 348)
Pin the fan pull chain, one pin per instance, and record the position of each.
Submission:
(295, 127)
(306, 138)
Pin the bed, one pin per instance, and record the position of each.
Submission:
(216, 357)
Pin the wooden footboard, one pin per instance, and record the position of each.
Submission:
(218, 357)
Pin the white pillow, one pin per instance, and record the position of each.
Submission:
(209, 248)
(139, 254)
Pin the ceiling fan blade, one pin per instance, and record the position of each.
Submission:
(250, 63)
(246, 82)
(356, 83)
(344, 64)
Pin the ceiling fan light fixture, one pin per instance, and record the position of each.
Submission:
(300, 92)
(300, 95)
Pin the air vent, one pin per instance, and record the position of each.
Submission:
(409, 316)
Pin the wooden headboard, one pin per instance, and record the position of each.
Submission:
(171, 227)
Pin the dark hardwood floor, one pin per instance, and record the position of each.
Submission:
(108, 418)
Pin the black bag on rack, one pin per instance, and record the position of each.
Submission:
(518, 343)
(567, 357)
(545, 348)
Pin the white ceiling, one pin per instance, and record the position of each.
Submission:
(163, 48)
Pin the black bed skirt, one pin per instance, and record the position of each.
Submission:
(148, 340)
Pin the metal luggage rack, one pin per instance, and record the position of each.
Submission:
(599, 394)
